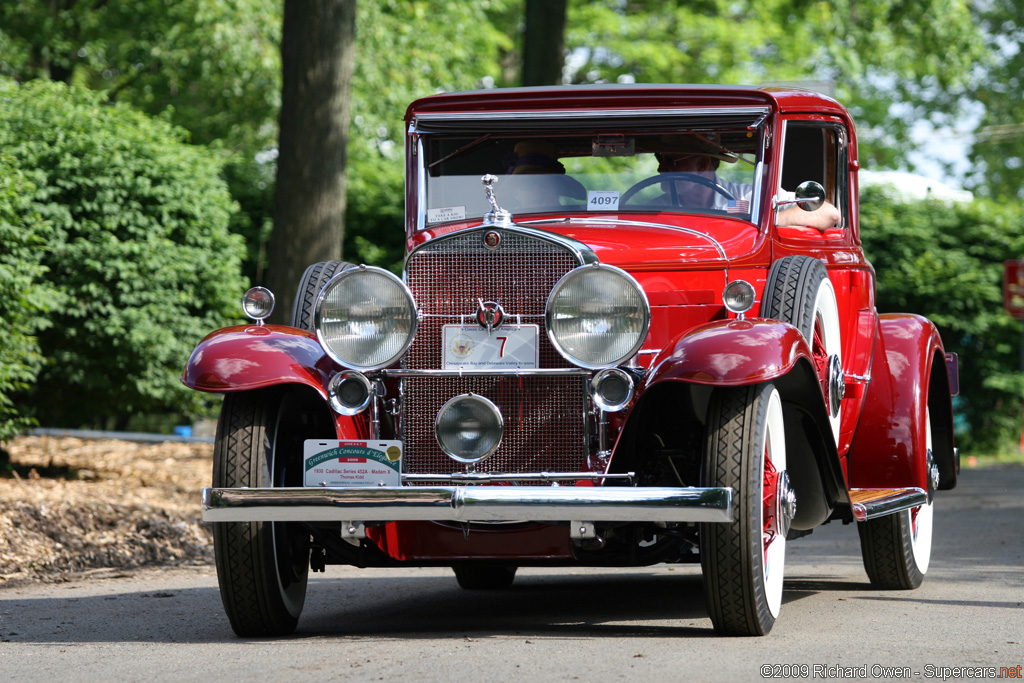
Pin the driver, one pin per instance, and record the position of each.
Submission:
(704, 195)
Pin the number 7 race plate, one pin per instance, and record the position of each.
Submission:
(470, 347)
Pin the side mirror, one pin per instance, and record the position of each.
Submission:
(810, 195)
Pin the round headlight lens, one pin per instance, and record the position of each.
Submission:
(738, 296)
(258, 303)
(469, 428)
(365, 318)
(597, 316)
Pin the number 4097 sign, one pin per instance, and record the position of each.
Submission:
(603, 200)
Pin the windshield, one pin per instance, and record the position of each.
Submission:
(707, 170)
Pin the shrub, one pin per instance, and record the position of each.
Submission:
(23, 298)
(946, 262)
(139, 248)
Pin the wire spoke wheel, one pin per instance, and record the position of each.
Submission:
(744, 561)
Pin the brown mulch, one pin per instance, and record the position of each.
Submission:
(70, 506)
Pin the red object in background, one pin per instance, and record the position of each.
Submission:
(1013, 288)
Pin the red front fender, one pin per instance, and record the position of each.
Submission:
(252, 357)
(731, 353)
(889, 448)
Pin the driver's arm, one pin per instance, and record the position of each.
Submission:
(824, 217)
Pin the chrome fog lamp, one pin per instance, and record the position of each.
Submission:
(612, 389)
(597, 316)
(738, 297)
(469, 428)
(365, 318)
(258, 304)
(349, 393)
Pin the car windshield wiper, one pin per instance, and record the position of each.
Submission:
(461, 150)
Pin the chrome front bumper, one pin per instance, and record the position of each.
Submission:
(470, 504)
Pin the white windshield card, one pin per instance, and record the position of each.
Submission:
(330, 462)
(471, 347)
(603, 200)
(448, 213)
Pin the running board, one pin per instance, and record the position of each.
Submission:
(870, 503)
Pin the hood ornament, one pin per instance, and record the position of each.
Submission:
(497, 216)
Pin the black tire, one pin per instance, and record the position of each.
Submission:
(743, 561)
(897, 548)
(310, 284)
(484, 577)
(262, 567)
(799, 292)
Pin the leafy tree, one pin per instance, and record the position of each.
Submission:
(210, 67)
(888, 60)
(946, 262)
(409, 33)
(998, 151)
(309, 213)
(139, 249)
(24, 298)
(544, 42)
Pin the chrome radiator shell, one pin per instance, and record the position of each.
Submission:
(545, 416)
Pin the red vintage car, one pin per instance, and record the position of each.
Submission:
(635, 326)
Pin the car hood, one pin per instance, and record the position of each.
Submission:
(651, 242)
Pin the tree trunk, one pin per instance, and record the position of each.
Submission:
(317, 50)
(544, 42)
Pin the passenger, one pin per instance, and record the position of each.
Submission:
(536, 157)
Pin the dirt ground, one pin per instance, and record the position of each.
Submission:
(72, 506)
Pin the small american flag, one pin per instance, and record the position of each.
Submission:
(738, 206)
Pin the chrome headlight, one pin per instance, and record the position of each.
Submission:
(365, 318)
(597, 316)
(469, 428)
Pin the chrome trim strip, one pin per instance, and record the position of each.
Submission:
(871, 503)
(522, 372)
(470, 504)
(585, 114)
(583, 254)
(481, 477)
(421, 183)
(615, 221)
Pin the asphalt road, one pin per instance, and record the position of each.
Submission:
(552, 625)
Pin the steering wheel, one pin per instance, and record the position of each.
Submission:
(673, 191)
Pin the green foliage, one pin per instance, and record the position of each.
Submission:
(216, 65)
(405, 50)
(998, 152)
(24, 298)
(139, 249)
(946, 263)
(887, 60)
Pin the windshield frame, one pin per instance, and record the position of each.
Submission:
(477, 127)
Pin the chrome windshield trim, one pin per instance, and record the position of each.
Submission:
(541, 115)
(470, 504)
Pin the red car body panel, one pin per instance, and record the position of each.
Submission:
(731, 353)
(889, 449)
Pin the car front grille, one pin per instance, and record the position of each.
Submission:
(545, 426)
